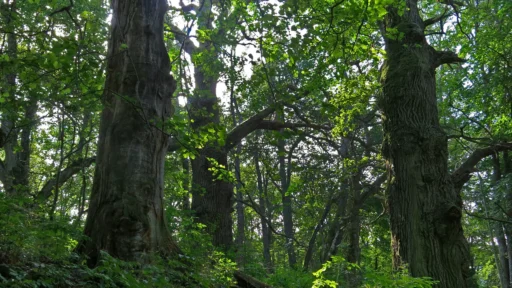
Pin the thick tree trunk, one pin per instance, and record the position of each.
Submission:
(8, 128)
(212, 199)
(126, 215)
(425, 209)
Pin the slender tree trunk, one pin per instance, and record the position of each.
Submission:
(264, 209)
(240, 212)
(503, 268)
(287, 204)
(425, 209)
(186, 184)
(503, 255)
(508, 200)
(56, 191)
(126, 213)
(318, 227)
(353, 252)
(335, 232)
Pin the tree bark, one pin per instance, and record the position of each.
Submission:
(240, 211)
(318, 227)
(502, 256)
(353, 252)
(212, 198)
(264, 210)
(284, 172)
(425, 209)
(126, 213)
(335, 232)
(14, 167)
(508, 200)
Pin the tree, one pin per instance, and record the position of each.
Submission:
(425, 208)
(126, 211)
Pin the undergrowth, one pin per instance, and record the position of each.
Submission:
(36, 252)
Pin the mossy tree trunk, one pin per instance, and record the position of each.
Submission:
(126, 213)
(425, 209)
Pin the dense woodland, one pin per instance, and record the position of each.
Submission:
(240, 143)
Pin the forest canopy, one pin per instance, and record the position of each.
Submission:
(267, 143)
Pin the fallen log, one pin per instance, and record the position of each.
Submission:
(246, 281)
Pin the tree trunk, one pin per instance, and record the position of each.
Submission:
(186, 183)
(240, 211)
(508, 200)
(503, 255)
(126, 214)
(212, 199)
(287, 204)
(425, 209)
(353, 252)
(9, 131)
(318, 227)
(335, 232)
(264, 210)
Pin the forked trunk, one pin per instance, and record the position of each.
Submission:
(126, 214)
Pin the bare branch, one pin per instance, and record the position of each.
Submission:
(247, 127)
(188, 8)
(270, 226)
(486, 218)
(463, 173)
(374, 188)
(446, 57)
(434, 20)
(276, 125)
(68, 172)
(183, 38)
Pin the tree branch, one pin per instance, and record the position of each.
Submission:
(188, 8)
(183, 38)
(276, 125)
(374, 188)
(257, 123)
(463, 173)
(446, 57)
(68, 172)
(486, 218)
(434, 20)
(270, 226)
(247, 127)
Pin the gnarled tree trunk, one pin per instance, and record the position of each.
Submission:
(425, 209)
(126, 214)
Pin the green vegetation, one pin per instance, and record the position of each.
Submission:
(230, 143)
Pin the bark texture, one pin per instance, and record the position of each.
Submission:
(126, 214)
(14, 169)
(425, 209)
(266, 213)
